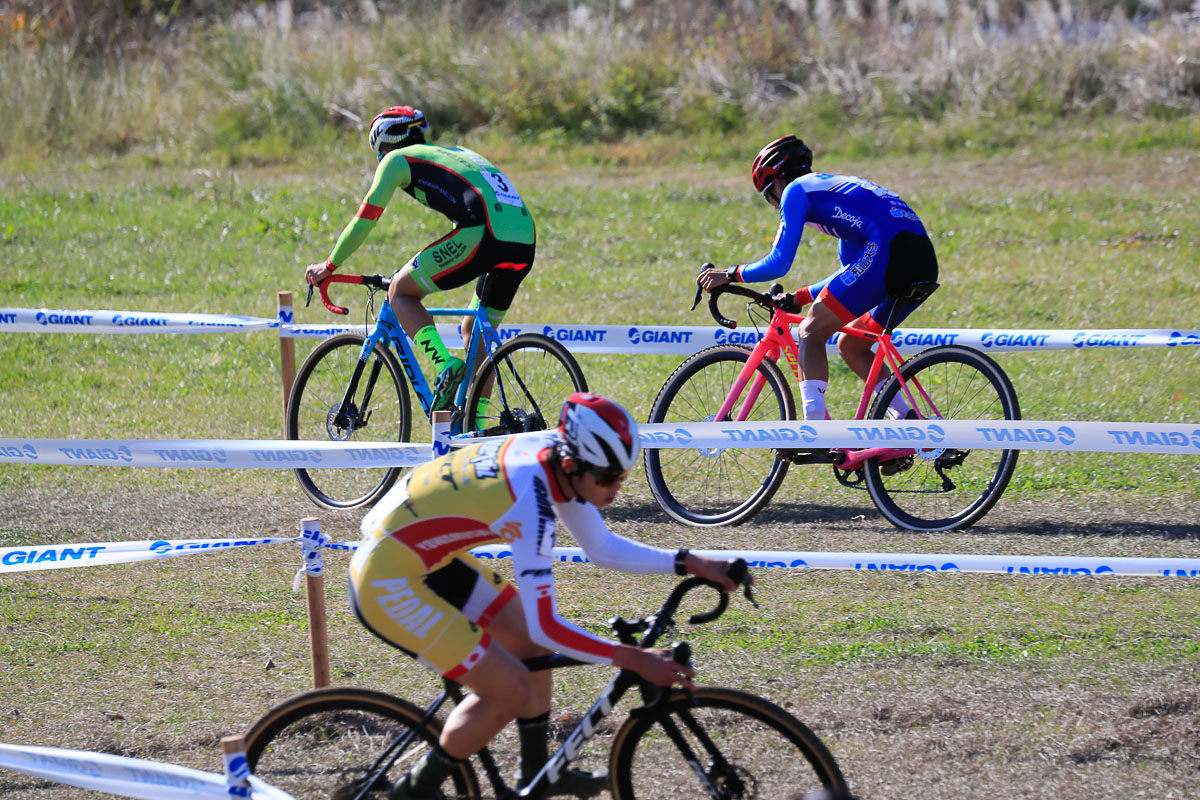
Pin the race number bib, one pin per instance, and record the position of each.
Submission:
(505, 193)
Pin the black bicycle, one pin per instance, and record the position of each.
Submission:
(344, 743)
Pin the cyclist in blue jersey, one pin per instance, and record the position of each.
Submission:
(882, 246)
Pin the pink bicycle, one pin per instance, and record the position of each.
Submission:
(926, 488)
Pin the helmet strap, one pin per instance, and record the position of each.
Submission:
(566, 469)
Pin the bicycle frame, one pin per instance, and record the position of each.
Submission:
(778, 340)
(387, 331)
(654, 627)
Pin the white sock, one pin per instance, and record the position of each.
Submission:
(899, 407)
(812, 395)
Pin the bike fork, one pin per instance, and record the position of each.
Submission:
(689, 755)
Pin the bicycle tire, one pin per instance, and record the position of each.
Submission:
(316, 397)
(322, 743)
(537, 373)
(947, 488)
(764, 752)
(711, 487)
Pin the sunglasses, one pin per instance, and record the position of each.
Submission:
(606, 478)
(771, 199)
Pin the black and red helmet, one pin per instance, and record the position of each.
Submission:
(395, 127)
(787, 156)
(599, 432)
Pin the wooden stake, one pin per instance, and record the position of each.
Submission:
(318, 632)
(233, 752)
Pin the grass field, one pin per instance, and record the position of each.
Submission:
(923, 686)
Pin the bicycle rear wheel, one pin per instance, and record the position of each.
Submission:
(718, 486)
(379, 410)
(940, 489)
(720, 743)
(324, 745)
(527, 379)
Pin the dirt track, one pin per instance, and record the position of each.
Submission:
(920, 729)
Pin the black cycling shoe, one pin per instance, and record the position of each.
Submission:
(573, 783)
(400, 791)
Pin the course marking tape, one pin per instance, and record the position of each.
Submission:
(59, 556)
(712, 437)
(645, 339)
(46, 320)
(1068, 435)
(213, 453)
(124, 776)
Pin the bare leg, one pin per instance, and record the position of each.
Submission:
(405, 296)
(504, 688)
(813, 333)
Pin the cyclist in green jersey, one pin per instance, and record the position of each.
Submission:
(493, 235)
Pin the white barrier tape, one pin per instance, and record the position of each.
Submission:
(441, 439)
(1105, 437)
(647, 339)
(23, 559)
(925, 562)
(212, 453)
(237, 775)
(45, 320)
(685, 340)
(61, 556)
(127, 777)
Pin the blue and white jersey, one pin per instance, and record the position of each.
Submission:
(862, 215)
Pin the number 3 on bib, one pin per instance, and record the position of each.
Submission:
(500, 184)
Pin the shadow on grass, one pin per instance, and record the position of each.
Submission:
(1109, 528)
(775, 513)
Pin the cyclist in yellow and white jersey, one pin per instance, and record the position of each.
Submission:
(414, 583)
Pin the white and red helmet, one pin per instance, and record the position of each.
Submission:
(599, 432)
(397, 126)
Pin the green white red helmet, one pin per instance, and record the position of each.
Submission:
(398, 126)
(599, 433)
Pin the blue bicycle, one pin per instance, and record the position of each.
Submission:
(355, 388)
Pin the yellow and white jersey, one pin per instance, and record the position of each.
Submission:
(492, 492)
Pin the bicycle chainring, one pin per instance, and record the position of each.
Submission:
(851, 478)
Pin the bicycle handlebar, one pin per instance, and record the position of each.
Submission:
(771, 300)
(374, 281)
(661, 621)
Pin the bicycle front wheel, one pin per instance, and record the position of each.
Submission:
(945, 488)
(328, 744)
(377, 410)
(716, 486)
(522, 386)
(720, 743)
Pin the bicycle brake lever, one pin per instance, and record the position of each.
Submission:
(738, 572)
(308, 299)
(700, 289)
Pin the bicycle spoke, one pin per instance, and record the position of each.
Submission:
(942, 488)
(723, 745)
(707, 486)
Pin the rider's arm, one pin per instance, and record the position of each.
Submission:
(609, 550)
(532, 525)
(392, 173)
(793, 207)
